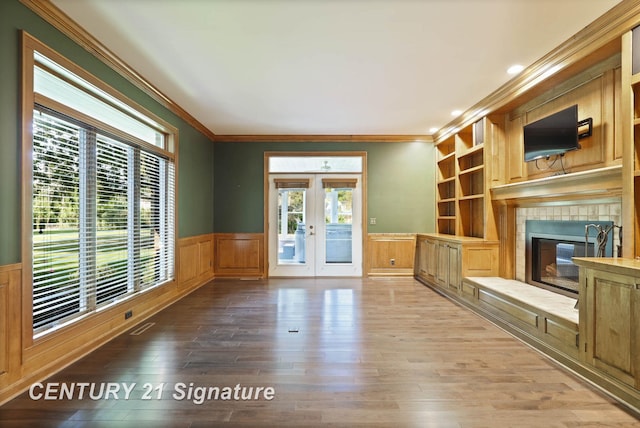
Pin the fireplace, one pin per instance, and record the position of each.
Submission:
(550, 246)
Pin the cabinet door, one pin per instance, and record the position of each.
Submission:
(432, 259)
(612, 324)
(421, 266)
(454, 267)
(442, 271)
(427, 262)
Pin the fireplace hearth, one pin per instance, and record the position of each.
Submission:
(551, 245)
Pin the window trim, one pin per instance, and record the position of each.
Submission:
(29, 100)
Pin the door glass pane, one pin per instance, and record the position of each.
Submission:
(291, 230)
(338, 225)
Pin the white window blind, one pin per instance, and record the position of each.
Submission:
(56, 250)
(103, 216)
(291, 183)
(114, 201)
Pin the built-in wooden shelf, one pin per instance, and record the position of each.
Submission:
(472, 150)
(471, 170)
(447, 200)
(470, 197)
(446, 180)
(447, 157)
(463, 200)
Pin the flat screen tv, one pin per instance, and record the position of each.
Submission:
(552, 135)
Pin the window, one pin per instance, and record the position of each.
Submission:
(317, 164)
(102, 194)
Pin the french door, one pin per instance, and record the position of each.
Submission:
(315, 225)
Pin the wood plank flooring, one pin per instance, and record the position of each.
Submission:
(337, 352)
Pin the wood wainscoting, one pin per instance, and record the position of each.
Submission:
(390, 254)
(242, 255)
(238, 255)
(195, 260)
(10, 322)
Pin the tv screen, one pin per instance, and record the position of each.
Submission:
(552, 135)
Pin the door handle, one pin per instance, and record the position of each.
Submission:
(311, 232)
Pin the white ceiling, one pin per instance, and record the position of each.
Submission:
(385, 67)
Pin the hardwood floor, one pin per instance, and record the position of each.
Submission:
(339, 352)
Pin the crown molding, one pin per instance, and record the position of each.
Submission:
(63, 23)
(323, 138)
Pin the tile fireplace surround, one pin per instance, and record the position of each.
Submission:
(583, 212)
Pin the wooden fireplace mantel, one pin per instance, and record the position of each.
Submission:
(592, 184)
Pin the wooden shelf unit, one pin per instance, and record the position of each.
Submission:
(446, 187)
(631, 194)
(463, 200)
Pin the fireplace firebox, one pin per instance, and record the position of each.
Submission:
(551, 245)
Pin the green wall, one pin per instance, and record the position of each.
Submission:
(399, 193)
(195, 176)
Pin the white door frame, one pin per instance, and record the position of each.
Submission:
(362, 183)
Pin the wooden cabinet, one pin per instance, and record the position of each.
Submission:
(448, 264)
(453, 266)
(610, 317)
(427, 259)
(444, 260)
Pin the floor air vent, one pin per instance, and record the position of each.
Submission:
(144, 327)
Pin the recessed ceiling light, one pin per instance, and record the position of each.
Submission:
(433, 130)
(456, 113)
(515, 69)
